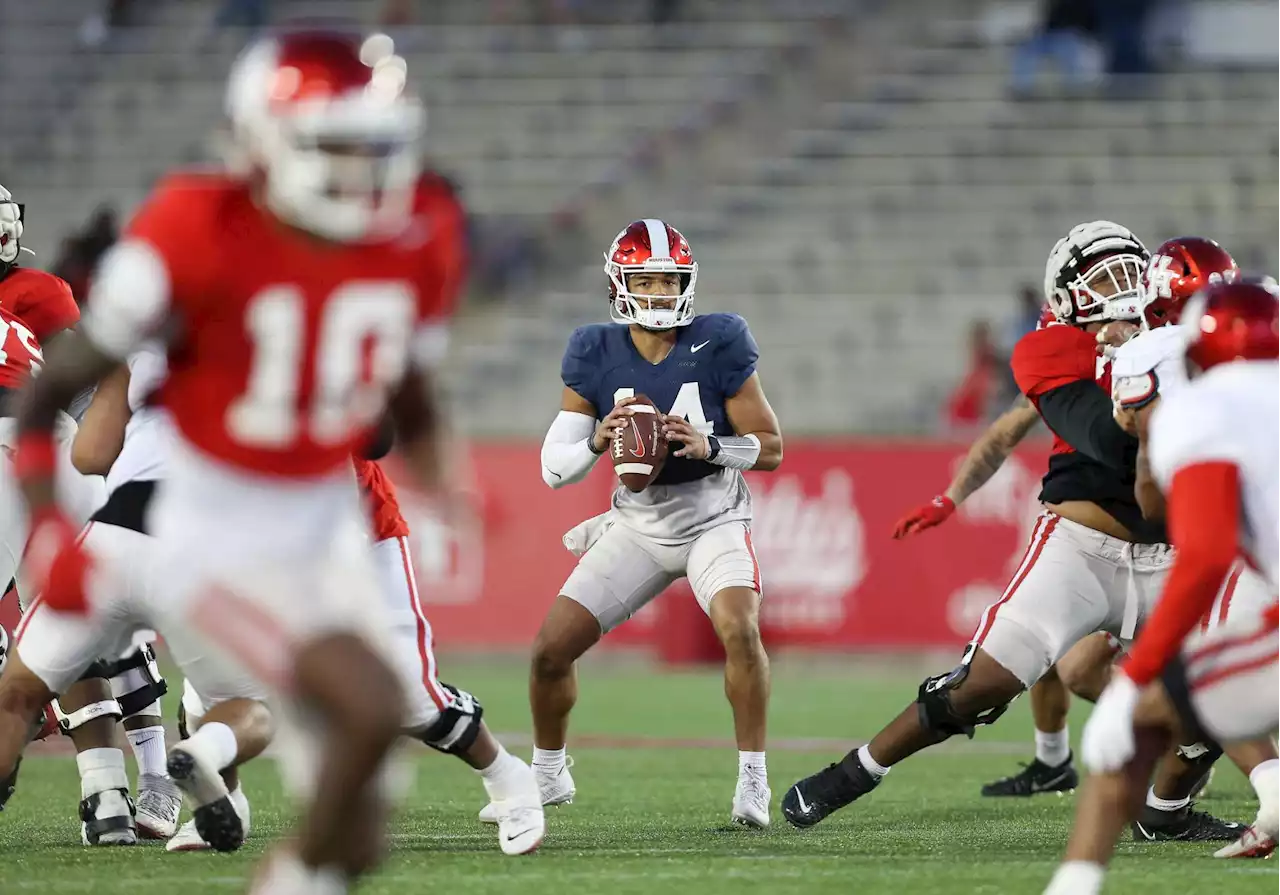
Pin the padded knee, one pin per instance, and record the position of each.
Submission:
(458, 726)
(939, 715)
(137, 684)
(69, 721)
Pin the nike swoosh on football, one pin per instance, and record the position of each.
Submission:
(696, 348)
(799, 795)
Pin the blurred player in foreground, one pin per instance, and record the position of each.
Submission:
(1093, 564)
(694, 520)
(1215, 453)
(299, 302)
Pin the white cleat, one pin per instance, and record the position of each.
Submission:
(521, 821)
(751, 799)
(188, 838)
(106, 818)
(159, 803)
(555, 789)
(215, 817)
(1253, 843)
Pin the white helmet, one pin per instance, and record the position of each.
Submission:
(325, 119)
(1078, 264)
(10, 231)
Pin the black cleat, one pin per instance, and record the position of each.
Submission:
(216, 818)
(1035, 778)
(1184, 825)
(813, 798)
(116, 828)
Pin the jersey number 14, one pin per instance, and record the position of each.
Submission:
(688, 404)
(360, 350)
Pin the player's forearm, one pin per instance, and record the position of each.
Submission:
(1080, 413)
(983, 461)
(567, 454)
(770, 457)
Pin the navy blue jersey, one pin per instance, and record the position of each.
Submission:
(713, 356)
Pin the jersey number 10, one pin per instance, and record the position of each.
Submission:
(360, 351)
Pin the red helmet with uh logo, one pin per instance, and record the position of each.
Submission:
(1233, 321)
(1178, 269)
(650, 246)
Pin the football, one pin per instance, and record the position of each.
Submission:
(639, 449)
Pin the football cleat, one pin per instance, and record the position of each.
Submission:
(521, 822)
(1253, 843)
(555, 788)
(159, 803)
(188, 838)
(106, 818)
(751, 799)
(1184, 825)
(1035, 778)
(215, 817)
(813, 798)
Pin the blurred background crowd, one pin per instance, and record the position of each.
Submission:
(873, 184)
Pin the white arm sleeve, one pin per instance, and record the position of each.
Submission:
(129, 300)
(566, 451)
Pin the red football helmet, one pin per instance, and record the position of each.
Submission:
(1233, 321)
(325, 119)
(1178, 269)
(650, 246)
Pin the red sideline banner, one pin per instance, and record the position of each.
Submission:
(832, 576)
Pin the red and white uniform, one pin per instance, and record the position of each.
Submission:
(20, 357)
(1073, 581)
(285, 349)
(1152, 365)
(42, 300)
(1222, 431)
(412, 653)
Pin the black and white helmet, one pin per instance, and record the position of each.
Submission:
(10, 231)
(1095, 273)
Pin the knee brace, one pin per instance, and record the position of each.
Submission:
(933, 702)
(136, 682)
(455, 731)
(1203, 753)
(69, 721)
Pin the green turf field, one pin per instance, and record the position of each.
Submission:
(655, 774)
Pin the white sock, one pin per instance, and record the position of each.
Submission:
(215, 742)
(1077, 878)
(753, 760)
(548, 759)
(1159, 804)
(149, 749)
(100, 770)
(872, 766)
(1054, 748)
(1266, 783)
(504, 775)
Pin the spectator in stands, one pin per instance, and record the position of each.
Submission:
(983, 391)
(1030, 305)
(1065, 34)
(1123, 28)
(80, 253)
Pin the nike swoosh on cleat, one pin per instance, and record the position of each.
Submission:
(1041, 787)
(800, 799)
(1150, 837)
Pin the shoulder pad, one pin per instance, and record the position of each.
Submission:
(1046, 358)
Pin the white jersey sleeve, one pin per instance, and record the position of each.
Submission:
(1186, 430)
(1148, 365)
(148, 368)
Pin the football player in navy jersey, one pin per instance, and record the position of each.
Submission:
(693, 521)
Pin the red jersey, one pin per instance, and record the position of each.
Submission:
(287, 346)
(384, 509)
(43, 301)
(1054, 355)
(20, 353)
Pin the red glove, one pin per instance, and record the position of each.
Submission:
(56, 563)
(935, 512)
